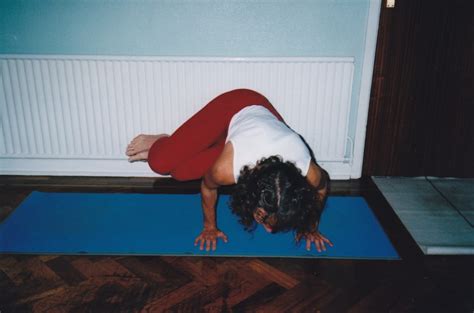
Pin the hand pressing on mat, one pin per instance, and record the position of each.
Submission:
(209, 185)
(209, 237)
(316, 237)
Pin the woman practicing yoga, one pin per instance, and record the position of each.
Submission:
(239, 138)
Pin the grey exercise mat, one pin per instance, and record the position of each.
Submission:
(432, 217)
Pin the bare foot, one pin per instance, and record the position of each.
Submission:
(142, 143)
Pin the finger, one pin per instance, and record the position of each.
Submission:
(202, 244)
(298, 237)
(323, 246)
(223, 236)
(208, 245)
(327, 241)
(318, 247)
(214, 244)
(308, 244)
(197, 240)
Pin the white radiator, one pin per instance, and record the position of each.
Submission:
(71, 115)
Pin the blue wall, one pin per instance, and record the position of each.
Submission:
(184, 27)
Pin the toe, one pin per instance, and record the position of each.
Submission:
(133, 158)
(130, 150)
(138, 157)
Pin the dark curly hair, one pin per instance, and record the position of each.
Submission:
(282, 191)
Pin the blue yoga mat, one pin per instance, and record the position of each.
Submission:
(164, 224)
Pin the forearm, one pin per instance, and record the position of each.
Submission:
(208, 202)
(323, 195)
(323, 185)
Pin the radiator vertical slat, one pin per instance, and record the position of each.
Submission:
(75, 145)
(39, 105)
(136, 87)
(330, 110)
(324, 108)
(65, 104)
(98, 137)
(58, 104)
(178, 92)
(104, 105)
(25, 88)
(81, 120)
(145, 81)
(20, 112)
(44, 86)
(334, 108)
(25, 107)
(162, 82)
(111, 103)
(108, 126)
(344, 110)
(42, 108)
(6, 114)
(46, 83)
(159, 97)
(155, 101)
(339, 132)
(114, 101)
(84, 121)
(3, 144)
(84, 104)
(312, 107)
(99, 109)
(5, 134)
(128, 118)
(122, 109)
(88, 107)
(133, 97)
(77, 142)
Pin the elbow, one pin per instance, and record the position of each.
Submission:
(209, 180)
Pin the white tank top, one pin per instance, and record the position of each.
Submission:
(256, 133)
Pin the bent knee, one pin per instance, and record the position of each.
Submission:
(180, 176)
(160, 163)
(159, 160)
(158, 168)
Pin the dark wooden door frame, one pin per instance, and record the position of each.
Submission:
(421, 111)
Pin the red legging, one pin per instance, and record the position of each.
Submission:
(194, 147)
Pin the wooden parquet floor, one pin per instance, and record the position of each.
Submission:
(84, 283)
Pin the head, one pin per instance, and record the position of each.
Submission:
(275, 194)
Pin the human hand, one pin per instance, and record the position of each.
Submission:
(209, 237)
(316, 237)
